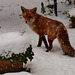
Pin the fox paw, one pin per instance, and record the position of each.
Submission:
(38, 46)
(47, 50)
(71, 55)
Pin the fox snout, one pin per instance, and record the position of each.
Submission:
(25, 21)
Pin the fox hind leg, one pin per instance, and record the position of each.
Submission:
(50, 45)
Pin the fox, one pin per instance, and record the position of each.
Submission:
(50, 27)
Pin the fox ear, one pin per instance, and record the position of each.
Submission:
(23, 9)
(34, 10)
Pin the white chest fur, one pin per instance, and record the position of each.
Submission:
(30, 23)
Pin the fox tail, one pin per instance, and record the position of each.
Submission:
(63, 39)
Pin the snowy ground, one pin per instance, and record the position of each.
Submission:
(51, 63)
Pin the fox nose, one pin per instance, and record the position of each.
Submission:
(25, 21)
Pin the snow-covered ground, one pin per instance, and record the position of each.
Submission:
(12, 25)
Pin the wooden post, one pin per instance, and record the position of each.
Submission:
(55, 7)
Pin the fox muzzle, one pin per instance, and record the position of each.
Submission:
(25, 21)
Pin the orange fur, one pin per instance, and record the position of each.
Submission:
(46, 26)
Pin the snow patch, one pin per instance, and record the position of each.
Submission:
(72, 12)
(13, 41)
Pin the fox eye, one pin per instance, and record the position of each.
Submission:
(29, 16)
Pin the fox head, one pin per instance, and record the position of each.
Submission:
(28, 14)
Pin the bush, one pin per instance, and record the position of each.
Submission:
(14, 62)
(72, 19)
(48, 9)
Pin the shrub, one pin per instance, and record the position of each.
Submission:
(14, 62)
(72, 19)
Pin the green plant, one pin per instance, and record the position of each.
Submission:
(66, 13)
(72, 24)
(42, 8)
(22, 57)
(49, 8)
(22, 32)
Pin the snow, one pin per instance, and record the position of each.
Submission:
(72, 12)
(51, 63)
(13, 41)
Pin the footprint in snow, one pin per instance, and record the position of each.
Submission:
(2, 6)
(1, 9)
(20, 16)
(18, 5)
(12, 14)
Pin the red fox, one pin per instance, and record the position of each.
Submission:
(46, 26)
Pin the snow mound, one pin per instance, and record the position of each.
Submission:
(21, 73)
(13, 41)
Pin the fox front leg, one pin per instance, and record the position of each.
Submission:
(40, 41)
(42, 38)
